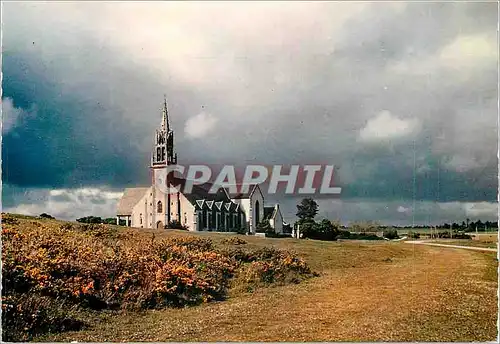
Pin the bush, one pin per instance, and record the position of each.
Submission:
(89, 219)
(25, 316)
(343, 234)
(241, 230)
(264, 226)
(234, 241)
(280, 267)
(461, 236)
(413, 235)
(46, 216)
(174, 224)
(277, 235)
(390, 234)
(324, 230)
(48, 272)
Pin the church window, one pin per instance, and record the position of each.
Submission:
(162, 153)
(159, 207)
(158, 154)
(161, 138)
(140, 218)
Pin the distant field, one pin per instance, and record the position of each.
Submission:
(462, 242)
(367, 291)
(429, 230)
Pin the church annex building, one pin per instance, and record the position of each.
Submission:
(199, 210)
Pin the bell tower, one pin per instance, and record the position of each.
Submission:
(163, 154)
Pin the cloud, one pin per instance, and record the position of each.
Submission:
(294, 87)
(386, 126)
(10, 115)
(67, 204)
(402, 209)
(200, 125)
(393, 212)
(482, 209)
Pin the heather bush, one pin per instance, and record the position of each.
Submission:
(234, 241)
(71, 266)
(25, 316)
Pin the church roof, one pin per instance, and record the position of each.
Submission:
(200, 192)
(268, 212)
(129, 199)
(239, 194)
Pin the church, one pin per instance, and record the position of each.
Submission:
(198, 210)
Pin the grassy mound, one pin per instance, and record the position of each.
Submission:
(51, 271)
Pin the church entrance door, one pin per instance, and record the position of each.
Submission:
(159, 225)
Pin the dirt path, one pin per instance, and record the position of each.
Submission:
(420, 294)
(453, 246)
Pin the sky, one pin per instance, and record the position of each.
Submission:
(401, 97)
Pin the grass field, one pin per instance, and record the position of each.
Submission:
(462, 242)
(366, 291)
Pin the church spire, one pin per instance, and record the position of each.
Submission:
(164, 120)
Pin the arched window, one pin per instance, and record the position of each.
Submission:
(159, 207)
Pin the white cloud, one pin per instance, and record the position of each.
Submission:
(481, 209)
(465, 55)
(402, 209)
(10, 115)
(470, 51)
(70, 204)
(200, 125)
(387, 126)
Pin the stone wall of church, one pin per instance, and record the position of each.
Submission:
(256, 205)
(141, 213)
(278, 223)
(187, 216)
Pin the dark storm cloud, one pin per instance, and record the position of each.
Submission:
(299, 92)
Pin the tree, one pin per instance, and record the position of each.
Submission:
(307, 209)
(110, 221)
(264, 226)
(90, 219)
(308, 228)
(46, 216)
(328, 230)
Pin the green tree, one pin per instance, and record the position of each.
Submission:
(110, 221)
(264, 226)
(307, 209)
(308, 228)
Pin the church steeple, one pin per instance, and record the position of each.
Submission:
(165, 125)
(163, 152)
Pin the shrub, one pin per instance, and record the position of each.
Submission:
(9, 220)
(174, 224)
(413, 235)
(390, 234)
(241, 230)
(277, 235)
(50, 271)
(25, 316)
(324, 230)
(264, 226)
(234, 241)
(89, 219)
(280, 267)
